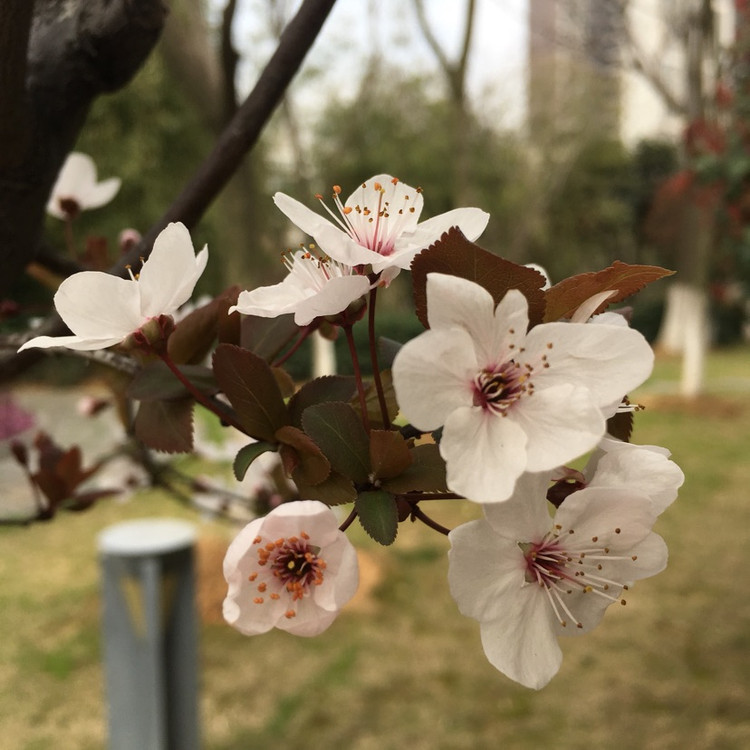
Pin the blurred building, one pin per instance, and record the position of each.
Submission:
(620, 67)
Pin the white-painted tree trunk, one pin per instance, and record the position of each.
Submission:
(684, 331)
(323, 356)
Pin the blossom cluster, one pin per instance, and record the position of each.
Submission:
(511, 381)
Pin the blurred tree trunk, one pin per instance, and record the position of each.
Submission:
(455, 72)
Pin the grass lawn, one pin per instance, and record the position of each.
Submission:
(401, 668)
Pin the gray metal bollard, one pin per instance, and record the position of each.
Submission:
(150, 634)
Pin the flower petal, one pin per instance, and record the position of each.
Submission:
(523, 517)
(432, 376)
(271, 301)
(521, 641)
(101, 193)
(484, 454)
(97, 305)
(471, 221)
(170, 273)
(337, 294)
(610, 361)
(560, 423)
(298, 213)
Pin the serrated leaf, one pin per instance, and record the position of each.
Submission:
(246, 455)
(157, 382)
(249, 384)
(426, 473)
(339, 433)
(378, 514)
(389, 454)
(166, 425)
(335, 490)
(321, 390)
(373, 403)
(565, 298)
(301, 456)
(284, 381)
(454, 254)
(267, 337)
(620, 426)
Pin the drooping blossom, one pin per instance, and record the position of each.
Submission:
(646, 469)
(314, 287)
(102, 310)
(292, 569)
(77, 189)
(511, 401)
(378, 225)
(529, 578)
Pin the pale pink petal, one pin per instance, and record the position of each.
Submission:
(96, 305)
(271, 301)
(642, 469)
(70, 342)
(337, 294)
(524, 516)
(432, 376)
(170, 273)
(482, 569)
(101, 193)
(471, 221)
(586, 309)
(561, 423)
(610, 361)
(341, 247)
(484, 454)
(299, 214)
(398, 195)
(521, 641)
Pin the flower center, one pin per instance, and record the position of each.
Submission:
(564, 569)
(376, 226)
(313, 270)
(497, 389)
(287, 569)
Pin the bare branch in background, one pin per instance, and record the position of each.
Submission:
(229, 60)
(235, 142)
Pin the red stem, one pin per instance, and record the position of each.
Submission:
(357, 376)
(201, 397)
(374, 360)
(417, 512)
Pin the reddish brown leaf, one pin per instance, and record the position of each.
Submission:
(565, 298)
(166, 425)
(454, 254)
(389, 454)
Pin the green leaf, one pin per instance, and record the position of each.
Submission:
(389, 454)
(166, 425)
(565, 298)
(246, 455)
(301, 457)
(249, 384)
(454, 254)
(338, 431)
(373, 403)
(156, 382)
(378, 514)
(321, 390)
(335, 490)
(426, 473)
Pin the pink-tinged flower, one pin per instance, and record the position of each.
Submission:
(77, 189)
(379, 224)
(102, 310)
(315, 287)
(529, 578)
(511, 401)
(645, 469)
(292, 569)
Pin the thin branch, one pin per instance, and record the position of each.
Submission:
(229, 59)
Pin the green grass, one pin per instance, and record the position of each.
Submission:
(402, 669)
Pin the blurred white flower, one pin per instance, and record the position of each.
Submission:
(379, 224)
(77, 189)
(102, 310)
(528, 578)
(292, 569)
